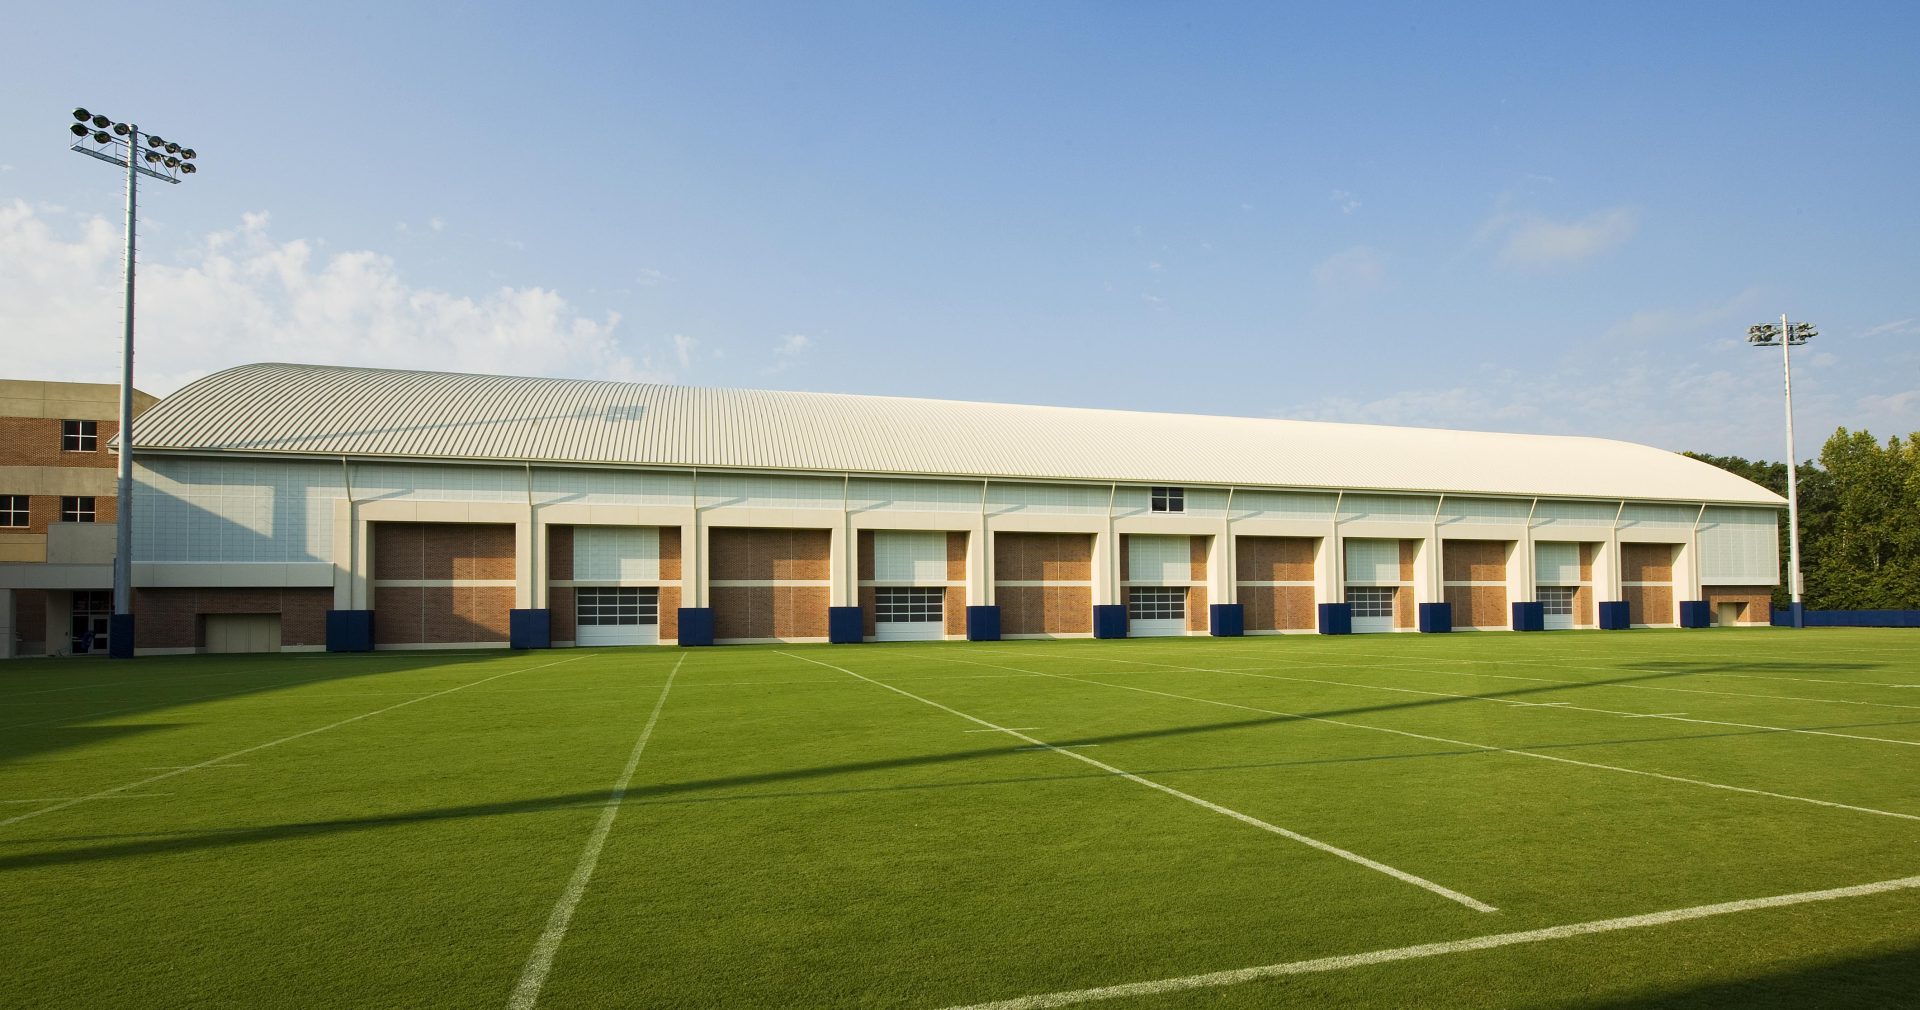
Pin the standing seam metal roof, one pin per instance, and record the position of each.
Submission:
(332, 411)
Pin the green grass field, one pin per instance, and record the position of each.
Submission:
(951, 824)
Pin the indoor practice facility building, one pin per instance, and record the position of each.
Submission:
(282, 506)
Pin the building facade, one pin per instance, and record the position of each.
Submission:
(284, 507)
(57, 509)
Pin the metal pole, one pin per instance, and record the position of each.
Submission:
(1793, 480)
(119, 634)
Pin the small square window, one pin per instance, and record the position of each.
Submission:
(1169, 499)
(13, 510)
(79, 436)
(76, 508)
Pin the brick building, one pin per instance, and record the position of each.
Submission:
(303, 507)
(57, 512)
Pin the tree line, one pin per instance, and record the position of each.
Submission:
(1859, 521)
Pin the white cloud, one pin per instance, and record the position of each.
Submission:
(649, 277)
(437, 224)
(683, 349)
(787, 351)
(1530, 240)
(1347, 202)
(1895, 328)
(1353, 270)
(243, 295)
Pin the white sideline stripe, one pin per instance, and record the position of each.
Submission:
(996, 730)
(1241, 976)
(1569, 706)
(1460, 743)
(168, 768)
(102, 794)
(534, 976)
(1353, 857)
(116, 796)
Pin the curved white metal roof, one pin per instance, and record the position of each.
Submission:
(284, 409)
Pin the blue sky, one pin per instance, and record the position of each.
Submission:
(1528, 217)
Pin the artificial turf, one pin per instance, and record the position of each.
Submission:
(395, 829)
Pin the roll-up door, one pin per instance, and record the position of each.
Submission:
(616, 615)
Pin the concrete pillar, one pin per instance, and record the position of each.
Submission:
(1106, 562)
(8, 648)
(979, 582)
(841, 566)
(1327, 571)
(1220, 581)
(1426, 571)
(526, 593)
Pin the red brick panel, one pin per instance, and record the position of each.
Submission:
(43, 510)
(1197, 605)
(170, 618)
(1474, 561)
(1197, 553)
(669, 613)
(560, 553)
(1278, 608)
(1756, 602)
(30, 614)
(1045, 610)
(397, 551)
(1479, 606)
(399, 615)
(1646, 562)
(670, 553)
(867, 596)
(35, 441)
(956, 555)
(742, 611)
(1583, 605)
(1403, 609)
(1408, 549)
(1649, 604)
(1587, 552)
(864, 551)
(1273, 559)
(748, 554)
(1043, 557)
(955, 611)
(560, 603)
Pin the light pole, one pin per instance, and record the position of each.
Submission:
(1788, 336)
(168, 162)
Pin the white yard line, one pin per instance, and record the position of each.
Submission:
(263, 746)
(1461, 743)
(1241, 976)
(116, 796)
(534, 976)
(1352, 857)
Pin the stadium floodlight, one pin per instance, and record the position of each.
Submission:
(1788, 335)
(119, 149)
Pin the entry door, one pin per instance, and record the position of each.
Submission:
(909, 613)
(616, 615)
(1728, 615)
(88, 629)
(243, 632)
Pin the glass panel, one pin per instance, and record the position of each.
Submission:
(1157, 603)
(903, 605)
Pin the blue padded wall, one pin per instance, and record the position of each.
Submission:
(1615, 615)
(1226, 620)
(349, 631)
(1436, 618)
(696, 625)
(120, 636)
(1109, 621)
(530, 629)
(1695, 614)
(1529, 617)
(1850, 618)
(1336, 619)
(844, 625)
(983, 624)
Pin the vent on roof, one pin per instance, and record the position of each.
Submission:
(618, 412)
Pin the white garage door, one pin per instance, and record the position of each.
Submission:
(620, 615)
(1372, 608)
(1556, 606)
(1155, 611)
(909, 613)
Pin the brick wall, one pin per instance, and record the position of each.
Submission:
(35, 441)
(1273, 559)
(1278, 608)
(670, 553)
(560, 553)
(778, 558)
(770, 611)
(1197, 557)
(1065, 608)
(1474, 560)
(1405, 614)
(956, 556)
(1043, 557)
(1479, 606)
(441, 615)
(1409, 549)
(1756, 602)
(1197, 606)
(955, 611)
(43, 510)
(30, 617)
(461, 554)
(1045, 610)
(1466, 562)
(1646, 562)
(741, 554)
(1649, 604)
(170, 618)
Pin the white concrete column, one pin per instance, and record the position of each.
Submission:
(343, 554)
(1606, 571)
(1426, 571)
(1220, 581)
(690, 553)
(1520, 568)
(979, 584)
(1106, 562)
(702, 567)
(361, 581)
(840, 565)
(525, 592)
(1327, 570)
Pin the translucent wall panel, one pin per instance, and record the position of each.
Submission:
(1372, 560)
(1309, 505)
(914, 495)
(1049, 499)
(1556, 564)
(600, 486)
(1159, 559)
(772, 492)
(206, 510)
(1740, 547)
(1661, 516)
(1575, 513)
(1507, 511)
(910, 557)
(430, 482)
(1393, 508)
(616, 553)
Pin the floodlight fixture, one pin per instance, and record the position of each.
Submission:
(119, 149)
(1788, 335)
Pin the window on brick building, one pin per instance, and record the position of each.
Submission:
(13, 510)
(79, 436)
(1169, 499)
(76, 508)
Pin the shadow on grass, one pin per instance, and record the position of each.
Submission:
(1890, 979)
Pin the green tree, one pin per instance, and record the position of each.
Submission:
(1871, 551)
(1816, 504)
